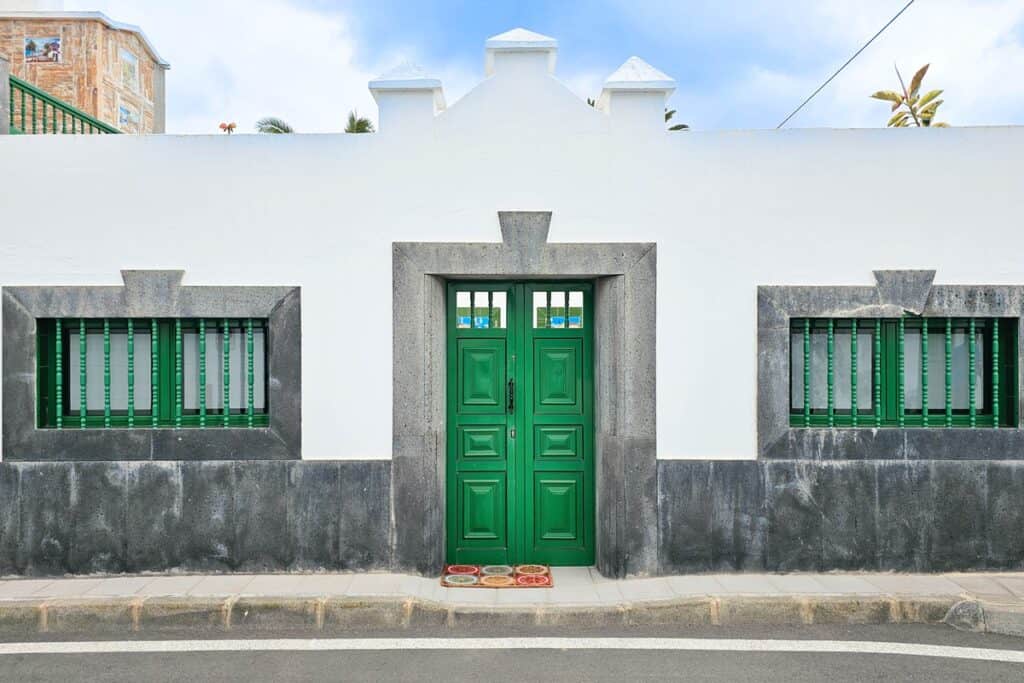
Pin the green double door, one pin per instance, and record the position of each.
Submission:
(520, 471)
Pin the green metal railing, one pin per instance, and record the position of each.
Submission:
(34, 112)
(167, 358)
(994, 407)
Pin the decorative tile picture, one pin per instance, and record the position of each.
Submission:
(129, 70)
(127, 119)
(43, 50)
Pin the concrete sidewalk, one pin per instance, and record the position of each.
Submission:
(991, 602)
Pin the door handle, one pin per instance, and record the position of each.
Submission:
(511, 395)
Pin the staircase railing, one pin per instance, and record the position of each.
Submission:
(34, 112)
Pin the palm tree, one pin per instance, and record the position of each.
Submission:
(669, 113)
(273, 125)
(358, 124)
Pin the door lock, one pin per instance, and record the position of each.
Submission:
(511, 395)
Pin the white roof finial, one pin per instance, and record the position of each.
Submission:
(519, 40)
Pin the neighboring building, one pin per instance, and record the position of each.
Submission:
(102, 67)
(514, 328)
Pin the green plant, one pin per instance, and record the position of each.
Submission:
(358, 124)
(273, 125)
(910, 107)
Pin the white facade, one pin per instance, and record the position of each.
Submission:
(729, 210)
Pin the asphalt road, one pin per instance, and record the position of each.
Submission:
(448, 664)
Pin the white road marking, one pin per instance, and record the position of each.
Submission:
(379, 644)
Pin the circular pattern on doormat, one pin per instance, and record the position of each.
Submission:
(496, 570)
(461, 580)
(532, 569)
(462, 569)
(497, 581)
(533, 580)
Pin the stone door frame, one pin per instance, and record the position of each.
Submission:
(625, 289)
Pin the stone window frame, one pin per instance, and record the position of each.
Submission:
(895, 292)
(626, 486)
(152, 294)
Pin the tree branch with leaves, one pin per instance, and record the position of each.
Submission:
(910, 107)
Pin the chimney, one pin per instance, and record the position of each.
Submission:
(407, 99)
(634, 97)
(520, 52)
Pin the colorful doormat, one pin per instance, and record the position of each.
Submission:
(497, 576)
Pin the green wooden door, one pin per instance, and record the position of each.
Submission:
(520, 472)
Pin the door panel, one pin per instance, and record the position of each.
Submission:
(520, 466)
(559, 458)
(558, 376)
(482, 375)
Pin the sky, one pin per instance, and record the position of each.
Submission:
(738, 64)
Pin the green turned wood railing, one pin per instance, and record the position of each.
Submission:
(988, 344)
(34, 112)
(169, 367)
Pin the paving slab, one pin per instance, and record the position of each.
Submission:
(169, 586)
(846, 584)
(380, 585)
(217, 585)
(747, 584)
(66, 588)
(901, 584)
(309, 585)
(981, 586)
(1013, 584)
(521, 596)
(798, 584)
(120, 586)
(646, 589)
(695, 585)
(19, 589)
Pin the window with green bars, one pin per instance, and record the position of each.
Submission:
(148, 372)
(909, 372)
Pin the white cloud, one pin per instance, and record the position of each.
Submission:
(239, 60)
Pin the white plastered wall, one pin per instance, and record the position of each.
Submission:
(729, 211)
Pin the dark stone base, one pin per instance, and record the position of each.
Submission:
(882, 515)
(714, 516)
(79, 518)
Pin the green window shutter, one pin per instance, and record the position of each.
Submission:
(170, 370)
(971, 362)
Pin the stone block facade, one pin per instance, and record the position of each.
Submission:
(108, 73)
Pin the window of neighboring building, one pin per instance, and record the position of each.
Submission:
(140, 373)
(910, 372)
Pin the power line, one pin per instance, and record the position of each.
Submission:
(845, 64)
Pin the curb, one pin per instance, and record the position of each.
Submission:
(985, 616)
(312, 615)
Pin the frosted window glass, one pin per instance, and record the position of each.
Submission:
(575, 309)
(819, 369)
(540, 312)
(796, 371)
(865, 372)
(239, 371)
(500, 309)
(961, 368)
(841, 368)
(463, 310)
(912, 370)
(558, 310)
(119, 371)
(936, 370)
